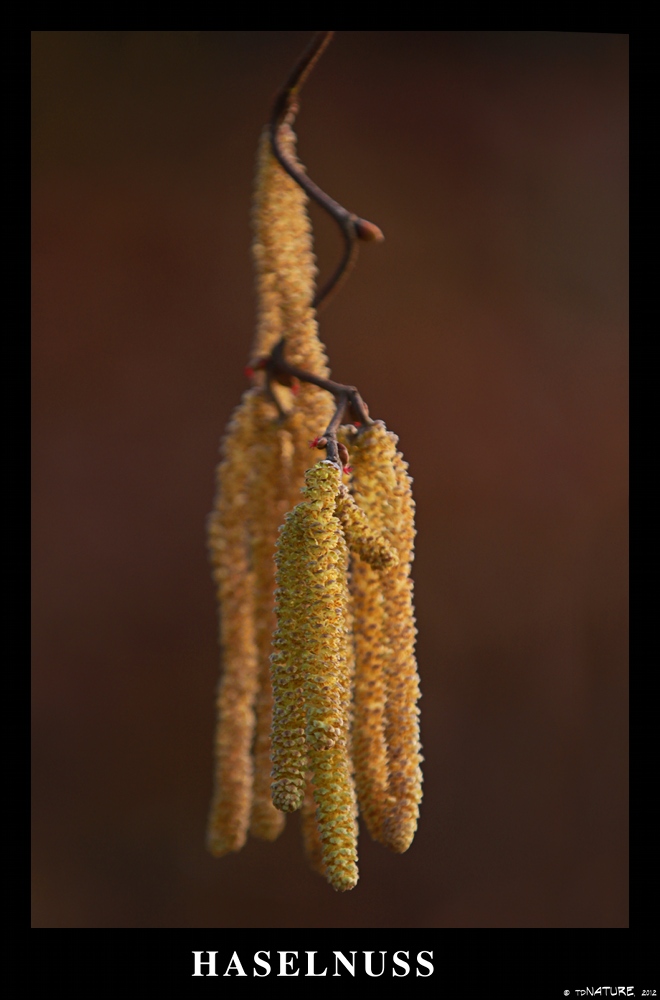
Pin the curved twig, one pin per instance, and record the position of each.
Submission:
(285, 109)
(349, 400)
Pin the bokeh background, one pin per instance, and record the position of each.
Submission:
(489, 331)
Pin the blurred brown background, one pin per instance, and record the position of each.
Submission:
(489, 331)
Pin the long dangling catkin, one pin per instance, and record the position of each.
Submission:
(402, 712)
(267, 502)
(282, 247)
(372, 483)
(286, 275)
(229, 553)
(386, 727)
(288, 749)
(353, 524)
(328, 681)
(311, 657)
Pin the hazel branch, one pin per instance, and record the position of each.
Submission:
(353, 228)
(333, 710)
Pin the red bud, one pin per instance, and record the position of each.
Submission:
(368, 231)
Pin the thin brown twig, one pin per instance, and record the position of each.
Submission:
(353, 228)
(349, 401)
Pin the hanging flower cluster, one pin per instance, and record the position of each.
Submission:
(317, 704)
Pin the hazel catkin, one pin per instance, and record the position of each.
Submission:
(386, 747)
(312, 671)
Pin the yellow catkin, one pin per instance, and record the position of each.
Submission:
(372, 484)
(310, 827)
(267, 501)
(312, 645)
(286, 275)
(283, 257)
(288, 750)
(386, 727)
(369, 545)
(229, 553)
(285, 263)
(402, 712)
